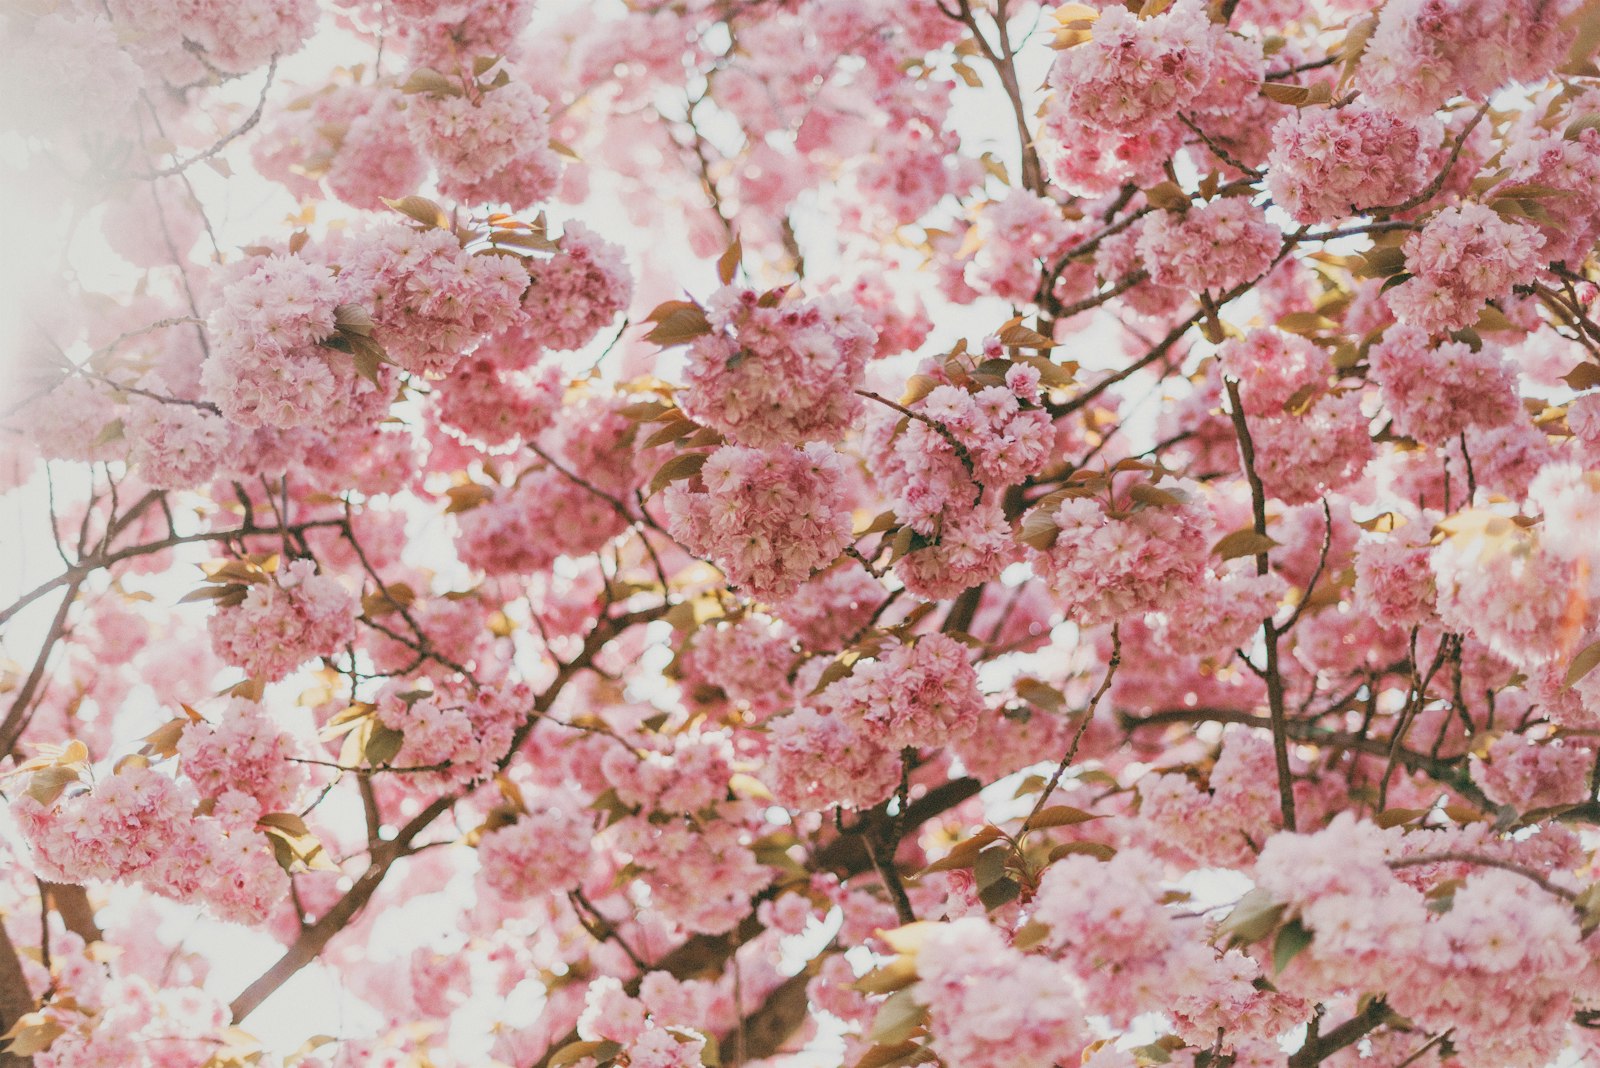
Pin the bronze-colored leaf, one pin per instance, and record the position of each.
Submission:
(681, 323)
(684, 465)
(420, 209)
(1245, 542)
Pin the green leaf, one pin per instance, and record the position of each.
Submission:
(1292, 939)
(898, 1018)
(383, 744)
(1252, 919)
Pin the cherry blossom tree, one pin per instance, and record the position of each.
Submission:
(663, 533)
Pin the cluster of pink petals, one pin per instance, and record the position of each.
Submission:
(767, 518)
(993, 1006)
(577, 292)
(295, 615)
(430, 300)
(702, 872)
(1503, 963)
(1213, 826)
(973, 546)
(748, 661)
(176, 444)
(780, 375)
(493, 406)
(1508, 591)
(1463, 257)
(1526, 775)
(831, 608)
(527, 527)
(1326, 163)
(1433, 392)
(458, 733)
(490, 147)
(353, 139)
(815, 761)
(1228, 610)
(1105, 568)
(232, 37)
(1394, 576)
(1135, 954)
(123, 824)
(546, 850)
(919, 694)
(1213, 246)
(1423, 52)
(267, 364)
(1302, 455)
(1136, 72)
(246, 753)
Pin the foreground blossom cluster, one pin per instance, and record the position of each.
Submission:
(914, 532)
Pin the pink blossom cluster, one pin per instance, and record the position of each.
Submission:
(1327, 163)
(221, 863)
(1463, 257)
(945, 471)
(246, 754)
(1137, 72)
(1133, 954)
(456, 733)
(283, 622)
(1547, 159)
(1394, 576)
(351, 138)
(1229, 609)
(493, 406)
(1212, 824)
(73, 421)
(1526, 775)
(1433, 392)
(692, 776)
(490, 146)
(526, 528)
(1502, 963)
(122, 824)
(183, 43)
(1422, 52)
(430, 300)
(267, 366)
(701, 874)
(993, 1006)
(777, 373)
(1308, 438)
(67, 71)
(176, 443)
(816, 760)
(577, 292)
(546, 850)
(1210, 247)
(1302, 455)
(1001, 431)
(972, 547)
(1106, 564)
(446, 36)
(767, 518)
(747, 661)
(641, 1024)
(1508, 591)
(1569, 498)
(1018, 232)
(831, 608)
(923, 693)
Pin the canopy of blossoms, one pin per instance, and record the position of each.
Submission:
(790, 533)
